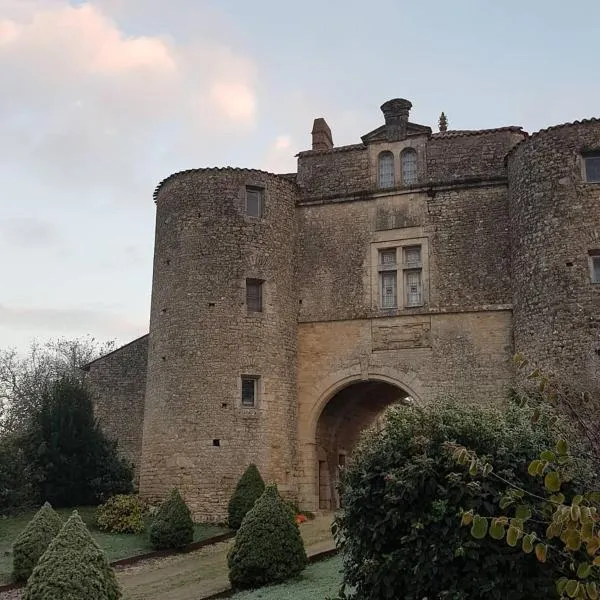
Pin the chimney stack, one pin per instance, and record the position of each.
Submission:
(396, 113)
(321, 135)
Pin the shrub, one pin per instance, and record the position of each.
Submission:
(403, 491)
(70, 460)
(268, 547)
(73, 568)
(32, 542)
(172, 526)
(249, 489)
(122, 514)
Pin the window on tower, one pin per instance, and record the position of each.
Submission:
(594, 257)
(250, 391)
(254, 201)
(591, 163)
(254, 295)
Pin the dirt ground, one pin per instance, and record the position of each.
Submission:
(192, 576)
(197, 574)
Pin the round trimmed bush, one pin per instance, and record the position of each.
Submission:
(172, 526)
(73, 568)
(32, 542)
(122, 514)
(249, 489)
(403, 494)
(268, 547)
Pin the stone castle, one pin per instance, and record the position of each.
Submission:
(288, 311)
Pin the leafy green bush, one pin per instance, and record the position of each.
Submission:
(172, 526)
(249, 489)
(69, 459)
(402, 493)
(122, 514)
(32, 542)
(73, 568)
(268, 547)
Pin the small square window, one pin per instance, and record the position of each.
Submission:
(595, 265)
(254, 201)
(592, 167)
(249, 391)
(254, 300)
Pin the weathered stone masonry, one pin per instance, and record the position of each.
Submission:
(505, 225)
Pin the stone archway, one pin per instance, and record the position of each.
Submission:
(346, 415)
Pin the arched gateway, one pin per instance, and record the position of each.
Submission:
(337, 419)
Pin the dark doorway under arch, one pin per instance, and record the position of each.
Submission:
(347, 414)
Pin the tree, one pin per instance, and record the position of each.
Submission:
(443, 122)
(25, 378)
(248, 490)
(73, 568)
(172, 526)
(16, 489)
(69, 459)
(268, 547)
(401, 494)
(558, 524)
(32, 542)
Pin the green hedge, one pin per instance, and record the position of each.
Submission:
(249, 489)
(73, 568)
(402, 496)
(268, 547)
(122, 514)
(32, 542)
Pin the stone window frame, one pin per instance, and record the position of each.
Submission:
(252, 185)
(594, 264)
(260, 284)
(386, 154)
(585, 155)
(392, 240)
(258, 391)
(409, 150)
(417, 143)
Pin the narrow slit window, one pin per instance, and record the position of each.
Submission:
(595, 265)
(254, 201)
(249, 391)
(408, 163)
(254, 295)
(385, 177)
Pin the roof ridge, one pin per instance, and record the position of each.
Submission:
(346, 148)
(552, 128)
(284, 177)
(470, 132)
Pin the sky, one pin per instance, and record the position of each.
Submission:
(102, 99)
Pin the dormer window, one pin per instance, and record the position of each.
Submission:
(591, 163)
(408, 161)
(385, 177)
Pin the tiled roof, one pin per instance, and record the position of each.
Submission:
(215, 169)
(469, 132)
(554, 127)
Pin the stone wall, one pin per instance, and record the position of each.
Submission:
(203, 338)
(117, 383)
(554, 223)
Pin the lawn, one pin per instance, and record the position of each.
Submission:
(116, 546)
(318, 581)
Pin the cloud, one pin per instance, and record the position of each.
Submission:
(280, 155)
(84, 102)
(30, 231)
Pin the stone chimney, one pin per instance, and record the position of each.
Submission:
(321, 135)
(395, 113)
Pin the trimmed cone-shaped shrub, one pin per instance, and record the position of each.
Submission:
(268, 547)
(73, 568)
(172, 526)
(249, 489)
(32, 542)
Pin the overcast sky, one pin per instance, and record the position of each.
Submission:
(100, 100)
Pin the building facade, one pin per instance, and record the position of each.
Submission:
(288, 311)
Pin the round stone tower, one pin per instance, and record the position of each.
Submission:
(221, 386)
(554, 203)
